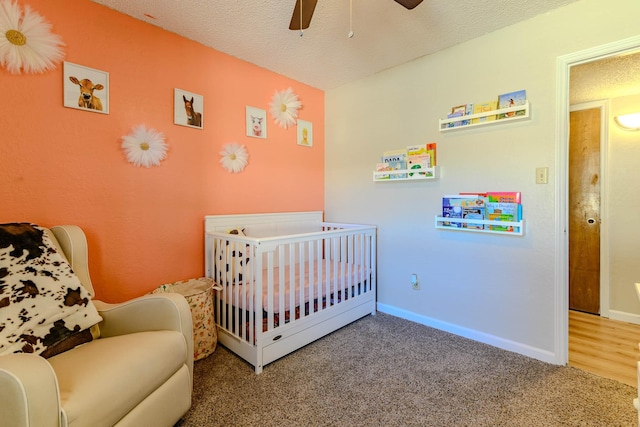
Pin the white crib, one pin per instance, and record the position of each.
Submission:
(290, 280)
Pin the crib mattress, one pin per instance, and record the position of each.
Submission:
(318, 279)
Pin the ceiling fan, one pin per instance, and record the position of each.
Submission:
(302, 18)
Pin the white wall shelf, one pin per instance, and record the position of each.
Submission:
(444, 123)
(440, 223)
(431, 174)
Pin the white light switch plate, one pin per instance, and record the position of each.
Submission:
(542, 175)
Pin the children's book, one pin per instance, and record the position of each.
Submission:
(504, 196)
(397, 160)
(512, 99)
(453, 206)
(456, 123)
(473, 213)
(382, 167)
(468, 110)
(483, 108)
(413, 150)
(459, 109)
(418, 158)
(497, 211)
(431, 149)
(419, 161)
(452, 212)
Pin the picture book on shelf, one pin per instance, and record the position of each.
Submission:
(512, 99)
(468, 110)
(456, 123)
(462, 109)
(419, 157)
(473, 213)
(483, 108)
(397, 160)
(452, 212)
(504, 196)
(382, 167)
(456, 206)
(419, 161)
(413, 150)
(502, 211)
(431, 149)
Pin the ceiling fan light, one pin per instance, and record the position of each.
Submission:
(628, 121)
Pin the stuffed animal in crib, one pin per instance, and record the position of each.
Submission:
(233, 260)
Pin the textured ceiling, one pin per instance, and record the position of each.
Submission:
(386, 34)
(607, 78)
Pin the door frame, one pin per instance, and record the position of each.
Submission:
(603, 106)
(561, 285)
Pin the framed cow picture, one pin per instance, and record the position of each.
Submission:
(85, 88)
(188, 109)
(256, 120)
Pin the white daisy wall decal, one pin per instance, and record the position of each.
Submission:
(144, 147)
(284, 108)
(26, 42)
(234, 157)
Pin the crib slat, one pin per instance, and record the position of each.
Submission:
(270, 285)
(240, 300)
(292, 283)
(317, 274)
(304, 290)
(250, 287)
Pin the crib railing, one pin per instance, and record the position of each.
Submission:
(270, 282)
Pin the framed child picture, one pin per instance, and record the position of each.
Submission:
(188, 109)
(85, 88)
(256, 122)
(305, 133)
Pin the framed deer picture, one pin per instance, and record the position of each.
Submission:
(85, 88)
(188, 109)
(256, 119)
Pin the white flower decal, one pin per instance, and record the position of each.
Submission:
(144, 147)
(284, 108)
(26, 43)
(234, 157)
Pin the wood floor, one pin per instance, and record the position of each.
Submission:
(605, 347)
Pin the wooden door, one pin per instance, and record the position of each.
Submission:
(584, 211)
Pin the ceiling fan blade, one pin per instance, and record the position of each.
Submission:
(308, 6)
(409, 4)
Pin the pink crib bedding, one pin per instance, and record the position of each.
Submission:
(327, 278)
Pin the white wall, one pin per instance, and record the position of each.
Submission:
(624, 226)
(499, 289)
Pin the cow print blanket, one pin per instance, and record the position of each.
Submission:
(44, 309)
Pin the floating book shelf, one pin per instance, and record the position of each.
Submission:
(517, 226)
(523, 113)
(410, 175)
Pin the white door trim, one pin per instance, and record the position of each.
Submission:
(563, 65)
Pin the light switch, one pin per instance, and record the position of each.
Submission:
(542, 175)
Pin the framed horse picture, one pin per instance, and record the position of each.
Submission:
(85, 88)
(188, 109)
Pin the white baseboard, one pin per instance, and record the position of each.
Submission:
(516, 347)
(624, 316)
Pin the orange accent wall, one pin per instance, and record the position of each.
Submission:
(61, 165)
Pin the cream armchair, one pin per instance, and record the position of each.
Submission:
(138, 373)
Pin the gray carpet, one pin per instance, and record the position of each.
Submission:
(386, 371)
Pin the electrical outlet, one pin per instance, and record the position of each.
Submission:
(415, 284)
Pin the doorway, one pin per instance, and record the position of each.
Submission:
(564, 64)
